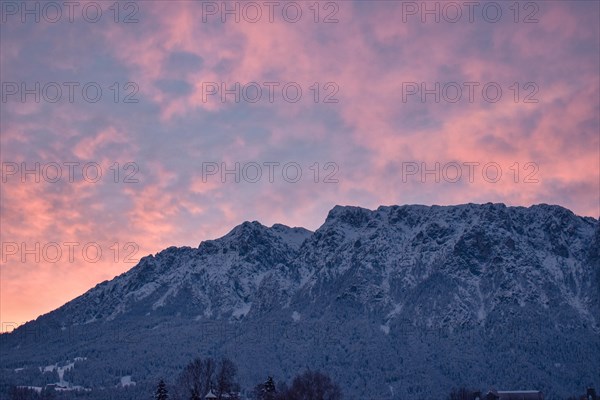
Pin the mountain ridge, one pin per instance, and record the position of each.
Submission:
(474, 272)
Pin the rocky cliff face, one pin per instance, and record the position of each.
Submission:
(400, 302)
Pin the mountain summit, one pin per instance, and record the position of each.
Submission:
(400, 302)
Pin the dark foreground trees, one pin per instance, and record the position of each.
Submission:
(267, 390)
(22, 393)
(464, 394)
(314, 385)
(311, 385)
(202, 375)
(161, 391)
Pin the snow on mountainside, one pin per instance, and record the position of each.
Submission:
(217, 279)
(488, 254)
(412, 298)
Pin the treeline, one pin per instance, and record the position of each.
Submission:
(23, 393)
(469, 394)
(464, 394)
(310, 385)
(203, 376)
(195, 381)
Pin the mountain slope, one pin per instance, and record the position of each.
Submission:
(402, 301)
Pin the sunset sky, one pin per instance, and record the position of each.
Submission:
(386, 93)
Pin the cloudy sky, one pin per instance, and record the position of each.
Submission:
(130, 127)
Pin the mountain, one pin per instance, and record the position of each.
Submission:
(402, 302)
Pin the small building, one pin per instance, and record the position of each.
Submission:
(514, 395)
(55, 386)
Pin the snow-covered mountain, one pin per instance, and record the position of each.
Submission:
(401, 302)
